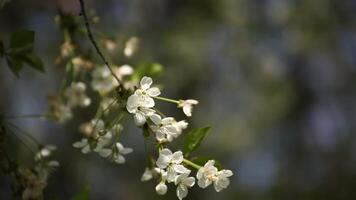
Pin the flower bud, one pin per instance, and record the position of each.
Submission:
(161, 188)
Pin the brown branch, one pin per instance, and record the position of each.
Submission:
(92, 40)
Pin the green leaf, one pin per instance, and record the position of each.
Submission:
(83, 194)
(21, 41)
(15, 64)
(34, 61)
(194, 138)
(147, 69)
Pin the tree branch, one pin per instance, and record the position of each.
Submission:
(95, 44)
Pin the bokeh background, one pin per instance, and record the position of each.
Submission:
(275, 78)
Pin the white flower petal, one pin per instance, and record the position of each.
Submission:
(139, 119)
(156, 119)
(105, 152)
(182, 192)
(126, 151)
(146, 82)
(86, 149)
(147, 175)
(153, 92)
(190, 181)
(181, 169)
(120, 159)
(177, 157)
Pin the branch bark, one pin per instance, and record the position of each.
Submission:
(94, 43)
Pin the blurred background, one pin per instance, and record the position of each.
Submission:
(275, 79)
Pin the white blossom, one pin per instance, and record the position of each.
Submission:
(140, 107)
(210, 174)
(76, 95)
(146, 90)
(102, 81)
(168, 128)
(171, 162)
(148, 174)
(183, 182)
(45, 152)
(63, 113)
(83, 144)
(123, 70)
(58, 110)
(93, 128)
(141, 102)
(187, 106)
(119, 152)
(131, 46)
(222, 181)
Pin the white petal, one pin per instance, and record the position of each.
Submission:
(160, 136)
(209, 163)
(164, 158)
(225, 173)
(120, 159)
(171, 174)
(126, 151)
(147, 175)
(182, 191)
(139, 119)
(181, 169)
(125, 70)
(177, 157)
(119, 146)
(86, 149)
(132, 103)
(81, 143)
(204, 182)
(168, 120)
(148, 102)
(105, 152)
(146, 82)
(191, 101)
(147, 111)
(187, 109)
(200, 173)
(156, 119)
(153, 92)
(190, 181)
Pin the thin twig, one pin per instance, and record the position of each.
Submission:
(92, 40)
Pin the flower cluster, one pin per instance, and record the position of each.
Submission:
(129, 90)
(74, 96)
(103, 141)
(35, 181)
(171, 167)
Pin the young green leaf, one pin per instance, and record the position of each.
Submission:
(15, 64)
(34, 61)
(21, 41)
(147, 69)
(194, 138)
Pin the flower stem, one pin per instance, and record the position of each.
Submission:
(190, 163)
(167, 99)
